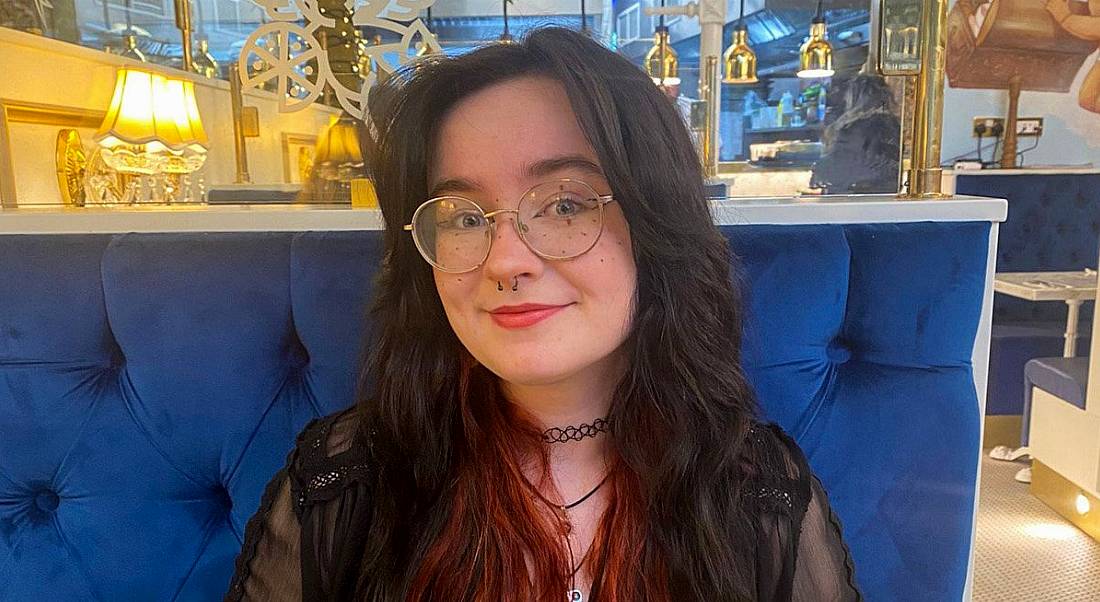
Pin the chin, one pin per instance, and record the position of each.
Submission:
(528, 369)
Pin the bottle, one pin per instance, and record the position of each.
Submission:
(786, 109)
(748, 109)
(821, 105)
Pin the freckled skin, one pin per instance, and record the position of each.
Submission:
(478, 142)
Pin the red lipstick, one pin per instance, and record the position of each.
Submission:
(522, 316)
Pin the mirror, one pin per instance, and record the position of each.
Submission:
(899, 37)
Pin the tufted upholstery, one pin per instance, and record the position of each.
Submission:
(151, 384)
(1053, 225)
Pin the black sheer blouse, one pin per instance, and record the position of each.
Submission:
(305, 540)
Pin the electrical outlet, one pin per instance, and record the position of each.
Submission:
(1029, 126)
(988, 127)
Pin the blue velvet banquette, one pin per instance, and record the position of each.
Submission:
(152, 383)
(1053, 225)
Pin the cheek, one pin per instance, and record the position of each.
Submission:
(453, 293)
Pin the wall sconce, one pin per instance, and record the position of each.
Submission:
(739, 58)
(816, 55)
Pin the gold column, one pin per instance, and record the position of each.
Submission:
(925, 174)
(1008, 157)
(236, 100)
(183, 22)
(709, 92)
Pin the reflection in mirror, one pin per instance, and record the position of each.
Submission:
(777, 135)
(899, 38)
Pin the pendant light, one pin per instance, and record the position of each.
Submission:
(739, 58)
(506, 38)
(816, 56)
(661, 62)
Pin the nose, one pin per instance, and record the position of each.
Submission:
(509, 256)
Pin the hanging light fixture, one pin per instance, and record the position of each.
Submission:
(662, 64)
(739, 58)
(816, 56)
(506, 38)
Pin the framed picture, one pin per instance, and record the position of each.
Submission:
(298, 157)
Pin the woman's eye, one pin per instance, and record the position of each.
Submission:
(563, 207)
(465, 221)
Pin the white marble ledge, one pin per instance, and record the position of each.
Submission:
(295, 218)
(1025, 171)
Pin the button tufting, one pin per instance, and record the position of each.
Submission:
(46, 501)
(222, 495)
(838, 352)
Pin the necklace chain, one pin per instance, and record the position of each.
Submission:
(574, 594)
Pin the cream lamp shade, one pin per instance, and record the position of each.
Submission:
(339, 144)
(152, 110)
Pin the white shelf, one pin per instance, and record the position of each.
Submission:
(292, 218)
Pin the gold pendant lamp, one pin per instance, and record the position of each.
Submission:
(506, 37)
(816, 56)
(739, 58)
(662, 64)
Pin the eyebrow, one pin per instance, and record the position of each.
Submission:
(538, 169)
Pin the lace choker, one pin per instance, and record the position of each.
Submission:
(576, 433)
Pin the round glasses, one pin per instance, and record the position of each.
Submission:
(556, 220)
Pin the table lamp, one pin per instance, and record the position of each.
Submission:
(152, 126)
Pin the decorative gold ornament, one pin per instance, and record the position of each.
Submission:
(72, 162)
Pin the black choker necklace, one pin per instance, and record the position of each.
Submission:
(576, 433)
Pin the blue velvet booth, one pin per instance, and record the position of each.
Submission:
(152, 383)
(1053, 225)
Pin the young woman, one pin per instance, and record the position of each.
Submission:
(554, 407)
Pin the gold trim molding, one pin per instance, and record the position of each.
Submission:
(33, 113)
(1060, 494)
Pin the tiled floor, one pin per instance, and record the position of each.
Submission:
(1024, 551)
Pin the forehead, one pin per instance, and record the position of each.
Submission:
(494, 137)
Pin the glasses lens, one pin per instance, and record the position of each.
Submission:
(561, 219)
(452, 233)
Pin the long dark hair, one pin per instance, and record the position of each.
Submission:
(451, 516)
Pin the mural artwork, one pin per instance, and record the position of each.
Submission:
(1042, 45)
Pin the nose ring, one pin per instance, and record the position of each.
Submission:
(515, 284)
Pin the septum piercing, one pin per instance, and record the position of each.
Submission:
(515, 284)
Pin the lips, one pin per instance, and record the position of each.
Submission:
(523, 316)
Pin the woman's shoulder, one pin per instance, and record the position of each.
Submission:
(778, 477)
(331, 454)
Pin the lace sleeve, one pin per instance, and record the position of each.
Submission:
(306, 540)
(269, 566)
(823, 569)
(801, 554)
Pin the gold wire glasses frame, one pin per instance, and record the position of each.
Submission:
(426, 243)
